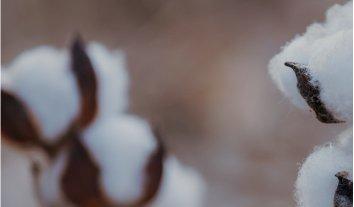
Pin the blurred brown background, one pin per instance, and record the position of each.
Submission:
(199, 72)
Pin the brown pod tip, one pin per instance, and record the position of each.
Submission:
(86, 80)
(310, 91)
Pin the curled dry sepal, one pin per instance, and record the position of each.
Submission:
(81, 176)
(310, 91)
(343, 196)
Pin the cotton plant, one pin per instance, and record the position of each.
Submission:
(315, 70)
(72, 106)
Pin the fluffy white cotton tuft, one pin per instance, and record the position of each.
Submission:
(316, 183)
(112, 77)
(181, 186)
(121, 146)
(42, 79)
(327, 49)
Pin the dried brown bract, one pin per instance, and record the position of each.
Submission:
(86, 81)
(310, 91)
(343, 196)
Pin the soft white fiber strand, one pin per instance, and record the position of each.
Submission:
(327, 49)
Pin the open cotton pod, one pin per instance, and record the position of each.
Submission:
(326, 176)
(315, 69)
(119, 161)
(47, 95)
(71, 106)
(48, 88)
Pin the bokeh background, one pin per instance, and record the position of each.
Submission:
(198, 71)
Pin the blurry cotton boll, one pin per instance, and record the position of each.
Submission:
(181, 186)
(94, 153)
(316, 183)
(121, 147)
(42, 79)
(326, 50)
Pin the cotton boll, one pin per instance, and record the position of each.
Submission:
(316, 183)
(181, 186)
(112, 77)
(121, 147)
(41, 78)
(326, 48)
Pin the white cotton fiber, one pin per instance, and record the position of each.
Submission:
(43, 80)
(316, 182)
(181, 186)
(112, 77)
(327, 49)
(121, 146)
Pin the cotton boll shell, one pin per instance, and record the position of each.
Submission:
(121, 146)
(181, 186)
(327, 50)
(316, 182)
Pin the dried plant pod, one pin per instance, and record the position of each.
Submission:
(310, 91)
(86, 81)
(343, 196)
